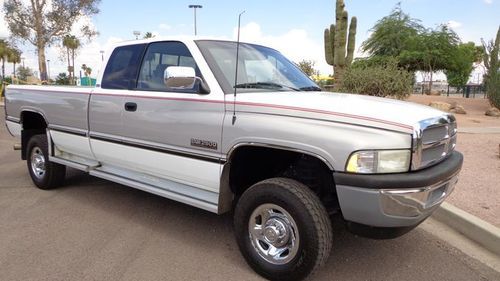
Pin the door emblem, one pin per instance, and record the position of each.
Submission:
(204, 143)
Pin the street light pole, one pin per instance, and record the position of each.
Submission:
(137, 33)
(102, 55)
(194, 7)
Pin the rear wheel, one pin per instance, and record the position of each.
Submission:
(282, 229)
(44, 174)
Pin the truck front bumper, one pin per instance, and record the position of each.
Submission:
(395, 201)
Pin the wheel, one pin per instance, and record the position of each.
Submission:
(282, 229)
(45, 174)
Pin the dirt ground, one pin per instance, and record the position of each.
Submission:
(478, 189)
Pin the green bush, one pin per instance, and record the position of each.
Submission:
(381, 80)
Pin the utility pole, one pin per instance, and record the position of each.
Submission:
(194, 7)
(102, 55)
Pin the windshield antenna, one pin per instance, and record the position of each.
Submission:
(236, 72)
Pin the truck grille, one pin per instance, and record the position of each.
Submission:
(433, 140)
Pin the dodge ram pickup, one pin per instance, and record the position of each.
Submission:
(227, 126)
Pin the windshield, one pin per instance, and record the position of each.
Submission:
(260, 69)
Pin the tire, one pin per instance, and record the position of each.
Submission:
(278, 204)
(44, 174)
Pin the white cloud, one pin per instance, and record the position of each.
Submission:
(295, 44)
(488, 1)
(453, 24)
(164, 26)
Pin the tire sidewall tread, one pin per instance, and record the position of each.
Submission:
(313, 220)
(54, 173)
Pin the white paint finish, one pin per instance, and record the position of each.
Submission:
(197, 173)
(14, 128)
(72, 144)
(347, 108)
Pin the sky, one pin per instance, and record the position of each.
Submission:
(295, 28)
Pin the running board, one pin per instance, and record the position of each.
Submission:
(72, 164)
(199, 203)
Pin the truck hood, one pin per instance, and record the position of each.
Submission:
(338, 107)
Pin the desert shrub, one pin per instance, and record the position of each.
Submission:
(381, 80)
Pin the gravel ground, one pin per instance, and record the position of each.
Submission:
(478, 190)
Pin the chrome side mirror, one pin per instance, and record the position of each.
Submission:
(184, 79)
(179, 77)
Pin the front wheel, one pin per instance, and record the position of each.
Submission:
(44, 174)
(282, 229)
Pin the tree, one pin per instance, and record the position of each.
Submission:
(392, 34)
(71, 43)
(148, 35)
(62, 79)
(335, 42)
(461, 64)
(492, 64)
(430, 51)
(14, 57)
(41, 24)
(23, 73)
(415, 47)
(307, 66)
(4, 52)
(86, 70)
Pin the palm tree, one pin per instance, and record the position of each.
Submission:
(148, 35)
(14, 57)
(71, 43)
(4, 52)
(86, 70)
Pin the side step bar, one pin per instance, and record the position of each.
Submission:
(72, 164)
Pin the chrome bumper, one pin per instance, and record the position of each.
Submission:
(415, 202)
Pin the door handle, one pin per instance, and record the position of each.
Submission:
(131, 106)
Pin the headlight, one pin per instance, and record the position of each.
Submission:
(379, 161)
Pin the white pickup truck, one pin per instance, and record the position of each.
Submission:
(192, 121)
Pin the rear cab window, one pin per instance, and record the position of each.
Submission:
(121, 69)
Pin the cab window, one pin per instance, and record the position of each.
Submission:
(121, 69)
(158, 57)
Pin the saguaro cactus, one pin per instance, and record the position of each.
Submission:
(336, 38)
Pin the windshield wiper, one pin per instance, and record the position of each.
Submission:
(263, 85)
(311, 88)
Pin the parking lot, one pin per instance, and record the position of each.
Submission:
(92, 229)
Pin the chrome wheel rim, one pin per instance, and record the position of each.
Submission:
(37, 162)
(273, 233)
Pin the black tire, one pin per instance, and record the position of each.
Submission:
(47, 175)
(308, 215)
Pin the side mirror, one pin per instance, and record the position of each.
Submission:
(179, 77)
(183, 78)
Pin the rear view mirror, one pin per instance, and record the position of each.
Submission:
(179, 77)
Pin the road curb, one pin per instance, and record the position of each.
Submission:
(469, 225)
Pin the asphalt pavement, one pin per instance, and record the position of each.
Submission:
(92, 229)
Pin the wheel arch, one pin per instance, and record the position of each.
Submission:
(33, 122)
(285, 157)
